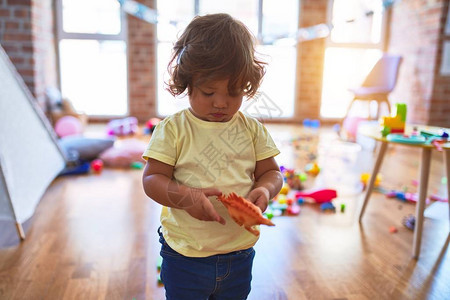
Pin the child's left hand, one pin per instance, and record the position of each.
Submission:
(260, 196)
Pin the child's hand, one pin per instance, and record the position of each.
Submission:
(260, 196)
(202, 209)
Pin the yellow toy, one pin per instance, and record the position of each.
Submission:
(312, 169)
(366, 176)
(395, 123)
(284, 189)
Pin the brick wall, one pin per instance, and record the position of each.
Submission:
(310, 58)
(142, 66)
(26, 34)
(416, 33)
(440, 99)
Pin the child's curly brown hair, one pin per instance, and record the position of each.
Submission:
(215, 47)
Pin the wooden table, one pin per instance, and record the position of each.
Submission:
(373, 131)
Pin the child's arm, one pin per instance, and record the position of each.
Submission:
(268, 183)
(158, 185)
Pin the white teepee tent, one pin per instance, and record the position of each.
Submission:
(30, 157)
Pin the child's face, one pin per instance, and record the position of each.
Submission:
(212, 102)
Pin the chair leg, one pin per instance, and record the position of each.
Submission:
(381, 101)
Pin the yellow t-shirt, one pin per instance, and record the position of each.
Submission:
(209, 155)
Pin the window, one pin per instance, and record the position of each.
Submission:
(354, 45)
(93, 56)
(273, 22)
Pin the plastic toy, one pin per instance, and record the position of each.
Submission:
(293, 210)
(393, 229)
(327, 206)
(312, 169)
(311, 123)
(97, 165)
(81, 168)
(151, 124)
(409, 221)
(244, 213)
(279, 206)
(268, 214)
(366, 176)
(137, 165)
(319, 196)
(120, 127)
(68, 125)
(342, 207)
(400, 138)
(396, 122)
(293, 178)
(438, 198)
(158, 268)
(284, 189)
(404, 196)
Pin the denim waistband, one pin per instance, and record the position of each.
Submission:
(237, 252)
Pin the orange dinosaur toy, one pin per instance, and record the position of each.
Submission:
(244, 213)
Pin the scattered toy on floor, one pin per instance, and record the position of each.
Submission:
(319, 196)
(312, 169)
(97, 166)
(327, 206)
(409, 221)
(364, 178)
(293, 210)
(294, 179)
(393, 229)
(151, 124)
(121, 127)
(284, 189)
(311, 123)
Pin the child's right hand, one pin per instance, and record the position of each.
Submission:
(202, 209)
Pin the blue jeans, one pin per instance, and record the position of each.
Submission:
(217, 277)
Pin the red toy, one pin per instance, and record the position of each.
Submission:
(319, 196)
(97, 165)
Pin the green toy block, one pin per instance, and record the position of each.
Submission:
(400, 110)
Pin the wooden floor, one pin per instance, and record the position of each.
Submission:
(94, 236)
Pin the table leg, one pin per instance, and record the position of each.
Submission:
(447, 172)
(373, 177)
(420, 206)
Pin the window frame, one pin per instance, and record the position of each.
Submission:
(64, 35)
(260, 39)
(381, 46)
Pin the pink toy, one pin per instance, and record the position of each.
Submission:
(123, 153)
(68, 125)
(126, 126)
(319, 196)
(438, 198)
(293, 210)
